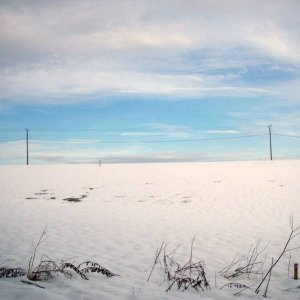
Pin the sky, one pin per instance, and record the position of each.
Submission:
(149, 81)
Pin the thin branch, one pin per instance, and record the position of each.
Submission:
(292, 233)
(266, 290)
(192, 245)
(291, 249)
(246, 288)
(289, 264)
(155, 261)
(31, 283)
(31, 261)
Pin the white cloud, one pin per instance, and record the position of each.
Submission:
(65, 49)
(276, 42)
(121, 39)
(72, 81)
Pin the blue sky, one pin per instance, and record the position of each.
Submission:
(143, 81)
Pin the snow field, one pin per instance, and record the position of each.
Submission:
(126, 212)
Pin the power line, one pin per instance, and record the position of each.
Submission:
(11, 140)
(188, 140)
(287, 135)
(150, 141)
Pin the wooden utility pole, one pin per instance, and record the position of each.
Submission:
(295, 271)
(27, 145)
(270, 136)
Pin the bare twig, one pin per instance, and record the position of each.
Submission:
(31, 283)
(293, 233)
(246, 288)
(190, 275)
(215, 280)
(192, 245)
(32, 258)
(155, 261)
(266, 290)
(246, 265)
(289, 264)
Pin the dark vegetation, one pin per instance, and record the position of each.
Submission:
(48, 268)
(39, 196)
(187, 276)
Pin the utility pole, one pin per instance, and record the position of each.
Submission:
(27, 145)
(270, 136)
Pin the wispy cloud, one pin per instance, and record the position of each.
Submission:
(65, 84)
(46, 53)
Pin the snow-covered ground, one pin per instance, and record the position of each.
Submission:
(128, 210)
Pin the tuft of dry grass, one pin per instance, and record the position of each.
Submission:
(190, 275)
(250, 264)
(48, 268)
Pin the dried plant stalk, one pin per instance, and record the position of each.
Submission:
(190, 276)
(252, 264)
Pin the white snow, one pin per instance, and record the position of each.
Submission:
(130, 209)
